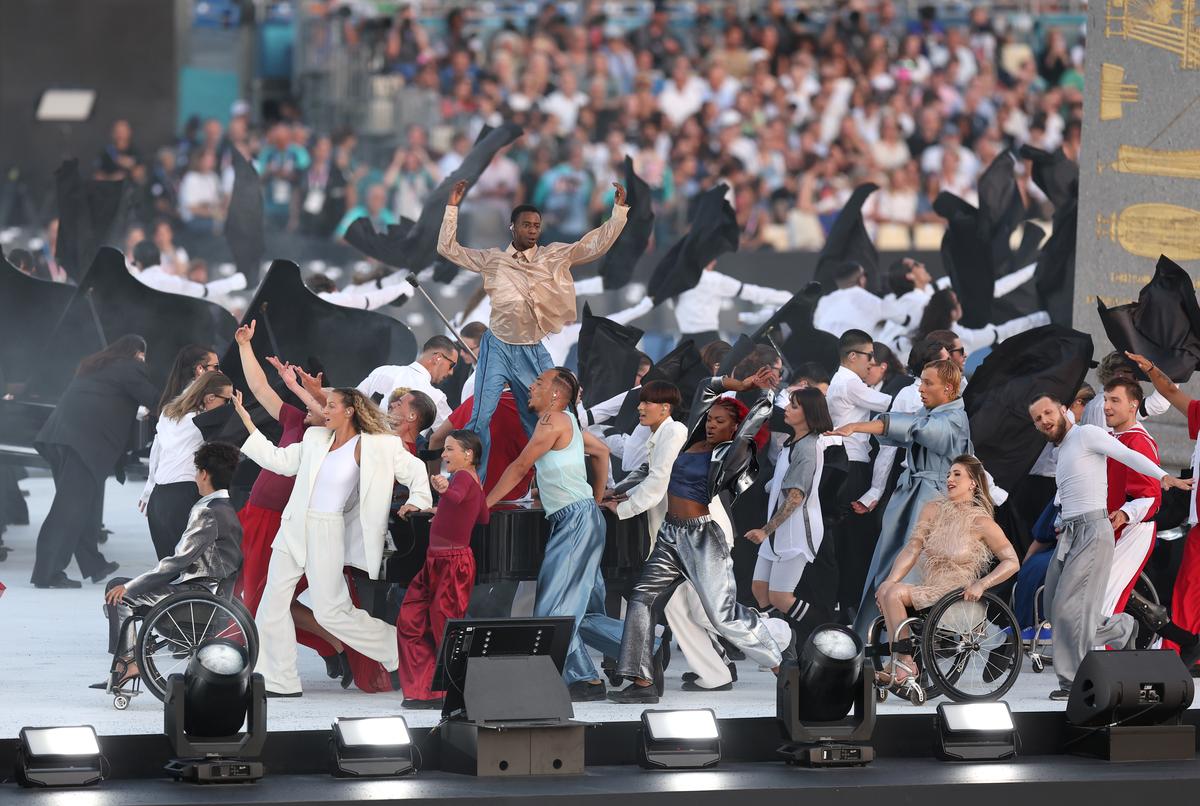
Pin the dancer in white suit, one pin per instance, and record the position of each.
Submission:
(337, 515)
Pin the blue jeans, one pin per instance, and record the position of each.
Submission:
(518, 365)
(601, 631)
(570, 573)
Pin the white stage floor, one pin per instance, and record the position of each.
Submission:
(55, 645)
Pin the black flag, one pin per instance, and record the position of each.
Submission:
(1058, 178)
(714, 232)
(244, 223)
(682, 367)
(975, 248)
(617, 265)
(387, 248)
(420, 247)
(89, 213)
(848, 241)
(1050, 359)
(608, 357)
(1164, 323)
(791, 331)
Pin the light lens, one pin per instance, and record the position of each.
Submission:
(386, 731)
(700, 724)
(221, 659)
(981, 717)
(76, 741)
(836, 644)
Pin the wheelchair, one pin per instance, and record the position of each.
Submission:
(1038, 640)
(967, 651)
(169, 633)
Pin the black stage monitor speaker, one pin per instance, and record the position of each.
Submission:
(1143, 687)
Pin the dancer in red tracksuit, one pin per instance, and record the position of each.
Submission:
(442, 588)
(1133, 499)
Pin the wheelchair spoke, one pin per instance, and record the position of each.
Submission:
(208, 624)
(181, 632)
(192, 622)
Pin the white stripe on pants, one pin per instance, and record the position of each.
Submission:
(324, 537)
(1129, 555)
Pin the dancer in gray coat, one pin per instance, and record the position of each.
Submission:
(931, 438)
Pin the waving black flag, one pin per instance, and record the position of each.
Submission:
(975, 248)
(89, 213)
(714, 232)
(1051, 359)
(387, 248)
(244, 227)
(682, 367)
(617, 265)
(791, 331)
(608, 357)
(1058, 178)
(848, 241)
(1164, 323)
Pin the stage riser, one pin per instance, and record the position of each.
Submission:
(607, 744)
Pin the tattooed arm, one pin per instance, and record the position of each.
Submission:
(792, 502)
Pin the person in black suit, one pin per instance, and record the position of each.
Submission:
(83, 441)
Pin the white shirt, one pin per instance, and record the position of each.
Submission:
(974, 339)
(337, 479)
(650, 495)
(172, 457)
(388, 378)
(365, 296)
(196, 189)
(680, 103)
(850, 400)
(853, 308)
(565, 108)
(1082, 472)
(160, 280)
(698, 310)
(632, 448)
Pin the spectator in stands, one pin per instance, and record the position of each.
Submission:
(374, 209)
(281, 164)
(410, 178)
(172, 258)
(119, 159)
(201, 202)
(563, 195)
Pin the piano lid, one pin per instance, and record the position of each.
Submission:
(29, 308)
(297, 326)
(111, 302)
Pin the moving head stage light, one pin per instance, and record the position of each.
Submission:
(826, 701)
(204, 713)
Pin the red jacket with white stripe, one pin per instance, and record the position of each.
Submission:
(1126, 485)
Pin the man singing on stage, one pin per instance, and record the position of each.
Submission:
(1074, 592)
(532, 295)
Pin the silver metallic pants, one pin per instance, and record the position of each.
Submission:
(121, 642)
(695, 550)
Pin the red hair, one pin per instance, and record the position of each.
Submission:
(737, 409)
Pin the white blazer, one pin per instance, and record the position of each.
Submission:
(383, 460)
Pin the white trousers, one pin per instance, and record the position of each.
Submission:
(1129, 555)
(324, 537)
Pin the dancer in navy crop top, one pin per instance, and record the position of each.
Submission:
(690, 545)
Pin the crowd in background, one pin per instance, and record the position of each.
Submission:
(789, 113)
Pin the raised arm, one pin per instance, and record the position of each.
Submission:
(447, 245)
(544, 436)
(1162, 384)
(256, 379)
(284, 461)
(595, 243)
(290, 375)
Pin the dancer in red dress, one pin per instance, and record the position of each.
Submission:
(442, 588)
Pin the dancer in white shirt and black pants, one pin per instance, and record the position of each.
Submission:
(1078, 574)
(850, 400)
(170, 490)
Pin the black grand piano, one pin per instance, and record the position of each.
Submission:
(511, 546)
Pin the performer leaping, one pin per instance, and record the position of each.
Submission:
(532, 295)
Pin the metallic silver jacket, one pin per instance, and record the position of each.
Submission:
(209, 549)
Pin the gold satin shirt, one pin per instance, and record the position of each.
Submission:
(532, 292)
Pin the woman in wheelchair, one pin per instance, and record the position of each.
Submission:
(207, 558)
(955, 541)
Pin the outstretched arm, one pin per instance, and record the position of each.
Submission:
(598, 241)
(543, 439)
(1162, 384)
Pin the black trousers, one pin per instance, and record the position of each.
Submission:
(167, 511)
(855, 535)
(72, 525)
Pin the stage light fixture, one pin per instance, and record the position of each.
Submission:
(1128, 705)
(679, 740)
(976, 731)
(372, 747)
(53, 757)
(826, 701)
(205, 710)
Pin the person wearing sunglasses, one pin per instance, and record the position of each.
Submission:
(851, 400)
(171, 491)
(437, 360)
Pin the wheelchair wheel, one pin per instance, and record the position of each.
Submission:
(971, 650)
(120, 702)
(1146, 588)
(175, 627)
